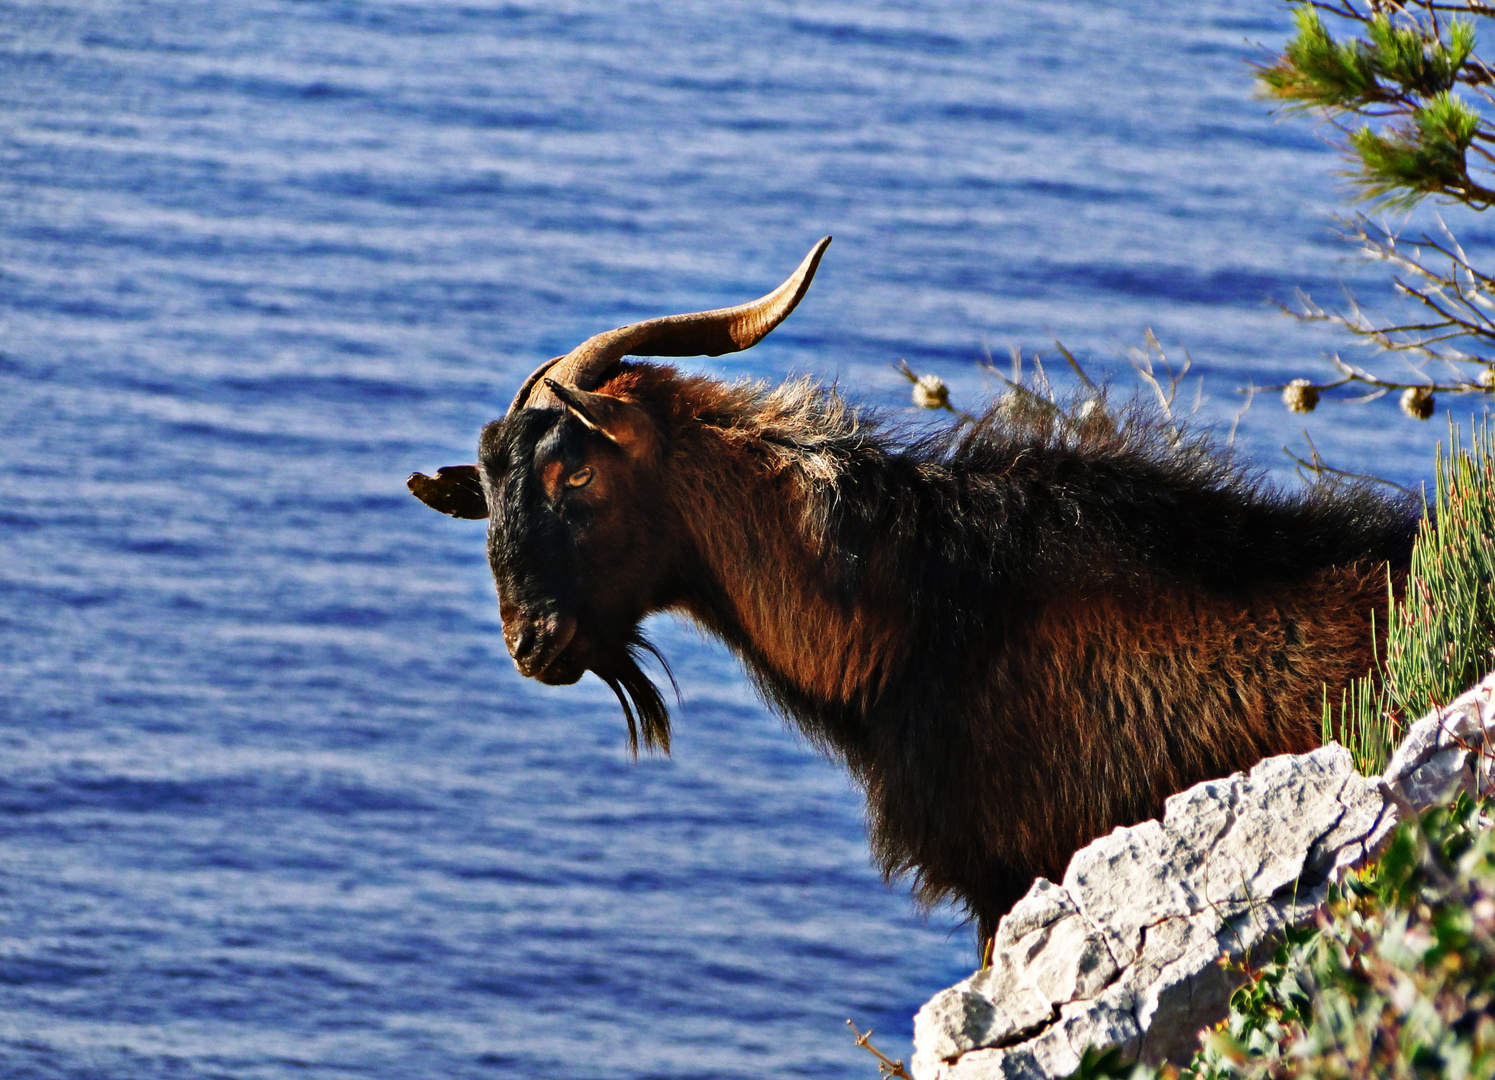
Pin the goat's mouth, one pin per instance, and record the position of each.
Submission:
(566, 662)
(564, 670)
(541, 647)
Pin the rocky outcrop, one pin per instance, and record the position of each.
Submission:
(1126, 950)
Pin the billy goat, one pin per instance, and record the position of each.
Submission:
(1017, 636)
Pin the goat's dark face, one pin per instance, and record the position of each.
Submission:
(577, 542)
(573, 487)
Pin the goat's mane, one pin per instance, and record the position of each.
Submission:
(800, 422)
(811, 424)
(1084, 452)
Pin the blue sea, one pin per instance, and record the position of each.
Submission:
(273, 801)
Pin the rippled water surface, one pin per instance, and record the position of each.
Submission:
(273, 801)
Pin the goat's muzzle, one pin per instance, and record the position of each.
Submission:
(539, 647)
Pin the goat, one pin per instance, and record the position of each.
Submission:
(1018, 636)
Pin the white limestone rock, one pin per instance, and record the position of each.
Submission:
(1431, 765)
(1125, 952)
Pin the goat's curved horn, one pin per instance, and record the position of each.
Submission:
(701, 333)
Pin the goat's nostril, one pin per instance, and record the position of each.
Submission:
(523, 642)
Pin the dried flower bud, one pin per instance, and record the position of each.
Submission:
(1300, 396)
(1417, 402)
(930, 392)
(1486, 378)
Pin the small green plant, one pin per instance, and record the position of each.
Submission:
(1363, 723)
(1440, 633)
(1397, 979)
(1441, 638)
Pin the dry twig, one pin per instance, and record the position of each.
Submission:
(886, 1066)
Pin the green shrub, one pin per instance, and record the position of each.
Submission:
(1440, 636)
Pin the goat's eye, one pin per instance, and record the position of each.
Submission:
(579, 479)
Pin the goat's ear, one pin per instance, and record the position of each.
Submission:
(621, 421)
(455, 490)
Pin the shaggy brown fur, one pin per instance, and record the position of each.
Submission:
(1018, 637)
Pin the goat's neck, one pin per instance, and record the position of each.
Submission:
(758, 577)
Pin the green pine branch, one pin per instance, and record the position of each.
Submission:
(1403, 71)
(1440, 632)
(1315, 71)
(1427, 155)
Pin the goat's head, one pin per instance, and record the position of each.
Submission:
(572, 483)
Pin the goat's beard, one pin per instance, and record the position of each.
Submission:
(643, 705)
